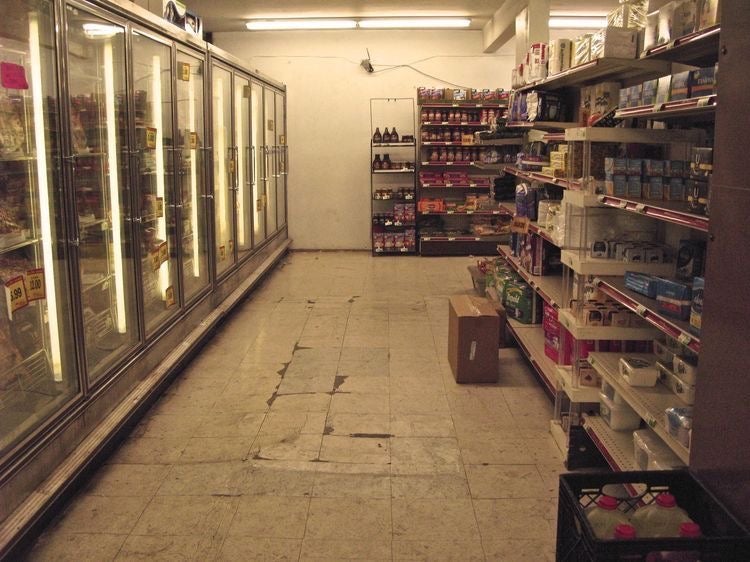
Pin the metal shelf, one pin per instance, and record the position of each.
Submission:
(649, 402)
(599, 70)
(530, 339)
(698, 49)
(500, 142)
(615, 446)
(461, 238)
(399, 171)
(622, 135)
(538, 176)
(454, 124)
(392, 144)
(647, 308)
(570, 322)
(453, 186)
(549, 287)
(579, 394)
(455, 164)
(675, 212)
(448, 143)
(467, 104)
(693, 107)
(401, 252)
(19, 245)
(483, 213)
(602, 266)
(541, 125)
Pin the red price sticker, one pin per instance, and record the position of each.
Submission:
(35, 289)
(15, 295)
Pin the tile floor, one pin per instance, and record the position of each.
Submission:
(322, 422)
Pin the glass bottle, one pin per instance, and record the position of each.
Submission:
(394, 135)
(424, 115)
(386, 136)
(377, 138)
(386, 162)
(377, 164)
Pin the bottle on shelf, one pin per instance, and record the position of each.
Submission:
(394, 135)
(386, 136)
(377, 138)
(431, 115)
(661, 518)
(377, 164)
(456, 135)
(687, 531)
(605, 516)
(424, 115)
(434, 155)
(624, 532)
(451, 155)
(447, 135)
(386, 162)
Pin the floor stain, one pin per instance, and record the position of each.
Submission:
(371, 435)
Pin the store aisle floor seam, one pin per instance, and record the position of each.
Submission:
(317, 425)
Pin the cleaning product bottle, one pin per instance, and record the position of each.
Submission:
(660, 519)
(604, 517)
(688, 530)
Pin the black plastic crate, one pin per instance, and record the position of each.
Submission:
(724, 538)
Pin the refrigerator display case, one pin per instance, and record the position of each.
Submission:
(259, 165)
(282, 155)
(271, 160)
(191, 179)
(37, 360)
(98, 148)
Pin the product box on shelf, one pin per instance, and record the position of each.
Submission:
(703, 82)
(665, 32)
(662, 89)
(634, 187)
(552, 333)
(473, 325)
(581, 49)
(651, 32)
(709, 13)
(648, 92)
(680, 387)
(680, 88)
(560, 51)
(674, 298)
(641, 283)
(615, 42)
(674, 190)
(431, 205)
(690, 259)
(650, 452)
(620, 417)
(522, 303)
(654, 188)
(630, 13)
(685, 17)
(638, 372)
(679, 422)
(696, 307)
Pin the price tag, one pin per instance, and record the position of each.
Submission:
(169, 296)
(651, 422)
(35, 289)
(230, 165)
(451, 239)
(520, 225)
(193, 139)
(159, 207)
(640, 310)
(449, 163)
(155, 262)
(15, 295)
(163, 253)
(150, 137)
(684, 339)
(640, 207)
(469, 212)
(184, 71)
(282, 140)
(259, 205)
(449, 212)
(222, 253)
(448, 185)
(622, 204)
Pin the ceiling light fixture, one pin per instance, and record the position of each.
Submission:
(579, 22)
(265, 25)
(426, 23)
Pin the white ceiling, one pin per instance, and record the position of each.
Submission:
(230, 15)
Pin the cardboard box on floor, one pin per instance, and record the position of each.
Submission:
(473, 326)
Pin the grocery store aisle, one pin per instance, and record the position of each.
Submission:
(322, 423)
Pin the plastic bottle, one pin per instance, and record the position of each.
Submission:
(604, 517)
(624, 532)
(660, 519)
(688, 530)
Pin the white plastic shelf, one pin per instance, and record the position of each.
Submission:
(576, 394)
(530, 338)
(538, 176)
(615, 446)
(602, 266)
(646, 136)
(580, 332)
(649, 402)
(674, 212)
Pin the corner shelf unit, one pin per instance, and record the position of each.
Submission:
(392, 190)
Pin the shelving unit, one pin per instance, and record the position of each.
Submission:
(538, 176)
(615, 446)
(703, 107)
(450, 156)
(698, 49)
(674, 212)
(393, 218)
(649, 402)
(530, 339)
(549, 287)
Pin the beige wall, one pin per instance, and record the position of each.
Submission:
(329, 111)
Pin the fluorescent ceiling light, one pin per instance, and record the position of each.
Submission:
(101, 30)
(577, 22)
(262, 25)
(390, 23)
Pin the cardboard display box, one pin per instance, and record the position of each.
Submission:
(473, 327)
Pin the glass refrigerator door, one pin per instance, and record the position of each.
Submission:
(224, 169)
(259, 162)
(152, 84)
(191, 179)
(281, 160)
(242, 140)
(272, 172)
(37, 357)
(99, 141)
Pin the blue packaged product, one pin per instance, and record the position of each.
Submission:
(674, 190)
(641, 283)
(674, 168)
(680, 88)
(703, 82)
(654, 188)
(615, 166)
(634, 187)
(696, 307)
(653, 167)
(635, 167)
(674, 298)
(648, 92)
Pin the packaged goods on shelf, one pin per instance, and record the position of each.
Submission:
(473, 325)
(709, 13)
(681, 84)
(537, 61)
(539, 257)
(615, 42)
(552, 332)
(431, 205)
(685, 366)
(651, 33)
(648, 92)
(560, 51)
(620, 417)
(581, 49)
(684, 390)
(674, 298)
(544, 106)
(696, 307)
(703, 81)
(651, 452)
(679, 422)
(630, 13)
(522, 303)
(685, 17)
(641, 283)
(663, 86)
(637, 371)
(690, 259)
(666, 32)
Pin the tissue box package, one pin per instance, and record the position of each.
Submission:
(648, 92)
(662, 89)
(630, 13)
(666, 23)
(651, 33)
(560, 53)
(581, 50)
(685, 17)
(615, 42)
(708, 14)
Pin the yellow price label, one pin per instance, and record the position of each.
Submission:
(222, 253)
(259, 205)
(35, 289)
(155, 261)
(163, 253)
(231, 246)
(520, 225)
(159, 207)
(265, 200)
(15, 295)
(150, 137)
(169, 296)
(193, 140)
(231, 166)
(184, 71)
